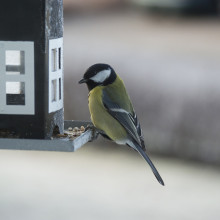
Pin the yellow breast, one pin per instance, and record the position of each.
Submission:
(102, 119)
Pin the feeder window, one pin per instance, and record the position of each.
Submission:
(59, 58)
(14, 60)
(55, 58)
(59, 88)
(54, 90)
(15, 93)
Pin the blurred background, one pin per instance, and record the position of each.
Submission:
(167, 52)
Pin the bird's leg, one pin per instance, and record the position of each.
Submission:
(95, 131)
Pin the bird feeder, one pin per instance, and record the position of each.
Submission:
(31, 78)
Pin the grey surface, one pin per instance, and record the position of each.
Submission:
(104, 182)
(55, 144)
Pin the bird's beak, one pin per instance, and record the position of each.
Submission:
(82, 81)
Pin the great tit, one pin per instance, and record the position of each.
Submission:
(112, 112)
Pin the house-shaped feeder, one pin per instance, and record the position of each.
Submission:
(31, 78)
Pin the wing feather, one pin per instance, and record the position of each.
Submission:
(128, 120)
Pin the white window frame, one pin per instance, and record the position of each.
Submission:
(27, 78)
(55, 73)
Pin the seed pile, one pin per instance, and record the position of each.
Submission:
(72, 133)
(4, 133)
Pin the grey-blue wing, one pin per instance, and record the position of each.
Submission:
(127, 119)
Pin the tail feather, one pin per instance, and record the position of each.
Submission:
(153, 168)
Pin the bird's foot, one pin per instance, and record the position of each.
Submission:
(95, 131)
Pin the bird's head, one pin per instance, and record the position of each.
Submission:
(98, 75)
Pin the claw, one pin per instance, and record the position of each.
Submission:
(95, 131)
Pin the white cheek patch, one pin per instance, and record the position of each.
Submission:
(101, 76)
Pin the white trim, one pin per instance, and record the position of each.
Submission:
(27, 78)
(119, 110)
(55, 103)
